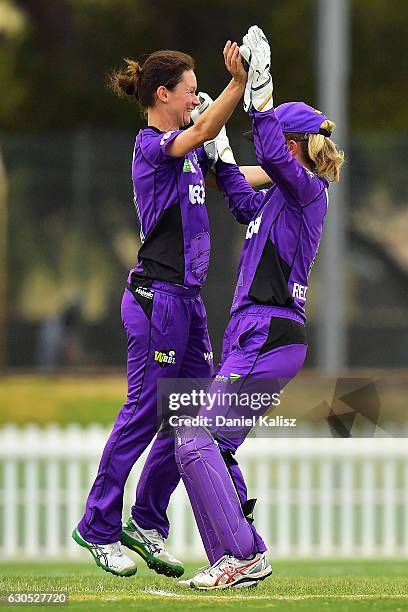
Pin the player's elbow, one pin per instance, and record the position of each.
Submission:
(266, 167)
(205, 129)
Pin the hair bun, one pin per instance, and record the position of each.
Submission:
(130, 89)
(134, 71)
(133, 68)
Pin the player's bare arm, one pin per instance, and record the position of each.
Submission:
(254, 175)
(214, 118)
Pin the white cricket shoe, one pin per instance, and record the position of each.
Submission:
(109, 557)
(230, 572)
(150, 545)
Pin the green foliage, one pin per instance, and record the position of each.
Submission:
(53, 71)
(378, 82)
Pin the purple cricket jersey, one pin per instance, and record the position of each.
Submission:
(285, 223)
(169, 194)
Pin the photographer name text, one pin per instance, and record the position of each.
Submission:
(223, 421)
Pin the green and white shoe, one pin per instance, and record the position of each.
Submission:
(109, 557)
(150, 545)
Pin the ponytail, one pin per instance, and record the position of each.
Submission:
(141, 81)
(125, 82)
(325, 156)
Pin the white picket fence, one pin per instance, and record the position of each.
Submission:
(316, 497)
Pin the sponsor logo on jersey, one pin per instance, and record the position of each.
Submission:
(299, 291)
(165, 358)
(166, 136)
(208, 356)
(189, 167)
(196, 193)
(146, 293)
(253, 227)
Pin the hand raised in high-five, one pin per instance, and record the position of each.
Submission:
(259, 87)
(233, 62)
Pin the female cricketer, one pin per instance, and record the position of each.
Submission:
(162, 311)
(266, 337)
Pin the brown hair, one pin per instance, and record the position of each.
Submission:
(320, 153)
(141, 81)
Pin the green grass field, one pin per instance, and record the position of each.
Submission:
(301, 586)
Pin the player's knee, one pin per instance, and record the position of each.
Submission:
(191, 440)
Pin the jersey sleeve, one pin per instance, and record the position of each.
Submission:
(202, 160)
(243, 201)
(299, 185)
(153, 145)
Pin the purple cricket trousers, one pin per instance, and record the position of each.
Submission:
(260, 342)
(167, 336)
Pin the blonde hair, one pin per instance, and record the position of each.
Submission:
(320, 153)
(323, 152)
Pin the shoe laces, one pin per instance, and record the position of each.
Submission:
(152, 535)
(207, 569)
(155, 537)
(225, 563)
(116, 549)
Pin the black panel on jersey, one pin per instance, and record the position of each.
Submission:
(162, 253)
(270, 284)
(282, 332)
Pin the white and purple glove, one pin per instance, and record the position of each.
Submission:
(259, 87)
(219, 148)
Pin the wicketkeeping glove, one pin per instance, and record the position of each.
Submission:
(259, 87)
(219, 148)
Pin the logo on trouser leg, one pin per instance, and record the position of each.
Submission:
(165, 358)
(231, 378)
